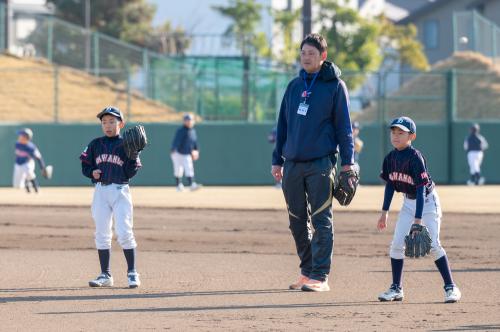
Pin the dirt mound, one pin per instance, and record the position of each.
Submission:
(424, 97)
(27, 94)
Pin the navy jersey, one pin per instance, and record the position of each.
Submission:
(185, 140)
(26, 152)
(107, 154)
(475, 142)
(407, 170)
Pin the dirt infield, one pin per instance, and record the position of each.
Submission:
(212, 269)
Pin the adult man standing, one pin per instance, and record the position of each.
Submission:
(313, 122)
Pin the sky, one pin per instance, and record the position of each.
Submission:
(195, 16)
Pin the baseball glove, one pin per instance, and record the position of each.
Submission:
(47, 172)
(418, 242)
(344, 189)
(134, 141)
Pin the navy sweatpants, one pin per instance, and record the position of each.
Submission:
(307, 187)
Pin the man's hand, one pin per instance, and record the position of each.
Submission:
(96, 174)
(382, 221)
(277, 172)
(346, 168)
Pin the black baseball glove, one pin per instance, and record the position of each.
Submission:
(418, 242)
(345, 186)
(134, 141)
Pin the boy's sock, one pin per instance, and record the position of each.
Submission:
(177, 181)
(104, 258)
(189, 180)
(444, 268)
(27, 186)
(34, 182)
(397, 270)
(130, 257)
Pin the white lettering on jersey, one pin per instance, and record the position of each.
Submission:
(401, 177)
(109, 158)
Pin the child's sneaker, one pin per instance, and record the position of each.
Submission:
(133, 280)
(394, 293)
(180, 187)
(195, 186)
(451, 294)
(102, 280)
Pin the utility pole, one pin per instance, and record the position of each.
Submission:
(88, 35)
(306, 17)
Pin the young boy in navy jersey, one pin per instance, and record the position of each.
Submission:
(405, 170)
(24, 167)
(105, 162)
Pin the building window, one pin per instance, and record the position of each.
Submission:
(431, 34)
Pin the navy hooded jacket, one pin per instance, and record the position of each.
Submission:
(326, 126)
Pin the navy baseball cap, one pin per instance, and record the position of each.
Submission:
(188, 116)
(114, 111)
(405, 124)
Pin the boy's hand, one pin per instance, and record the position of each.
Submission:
(96, 174)
(382, 221)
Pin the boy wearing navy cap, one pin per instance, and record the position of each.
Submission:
(183, 152)
(24, 167)
(404, 170)
(105, 162)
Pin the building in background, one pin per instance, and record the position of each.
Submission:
(435, 25)
(21, 22)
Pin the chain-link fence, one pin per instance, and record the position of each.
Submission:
(473, 32)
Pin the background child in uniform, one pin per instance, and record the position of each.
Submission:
(24, 167)
(105, 162)
(183, 152)
(405, 170)
(475, 144)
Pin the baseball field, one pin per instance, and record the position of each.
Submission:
(221, 258)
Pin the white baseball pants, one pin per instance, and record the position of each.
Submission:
(431, 217)
(183, 165)
(475, 158)
(113, 202)
(22, 173)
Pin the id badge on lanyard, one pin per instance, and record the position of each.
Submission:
(304, 106)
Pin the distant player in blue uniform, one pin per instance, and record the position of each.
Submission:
(104, 161)
(404, 170)
(183, 152)
(474, 145)
(24, 168)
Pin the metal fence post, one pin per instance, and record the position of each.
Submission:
(451, 89)
(129, 110)
(50, 38)
(96, 53)
(455, 32)
(494, 41)
(475, 33)
(145, 68)
(56, 93)
(3, 21)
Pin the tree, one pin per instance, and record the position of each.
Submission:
(246, 15)
(286, 21)
(359, 44)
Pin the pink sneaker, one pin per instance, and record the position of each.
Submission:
(316, 286)
(299, 283)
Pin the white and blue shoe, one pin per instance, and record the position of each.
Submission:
(102, 280)
(133, 280)
(394, 293)
(452, 294)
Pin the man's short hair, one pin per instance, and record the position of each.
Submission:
(316, 40)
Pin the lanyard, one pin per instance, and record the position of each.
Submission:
(307, 91)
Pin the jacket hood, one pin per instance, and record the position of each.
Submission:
(328, 72)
